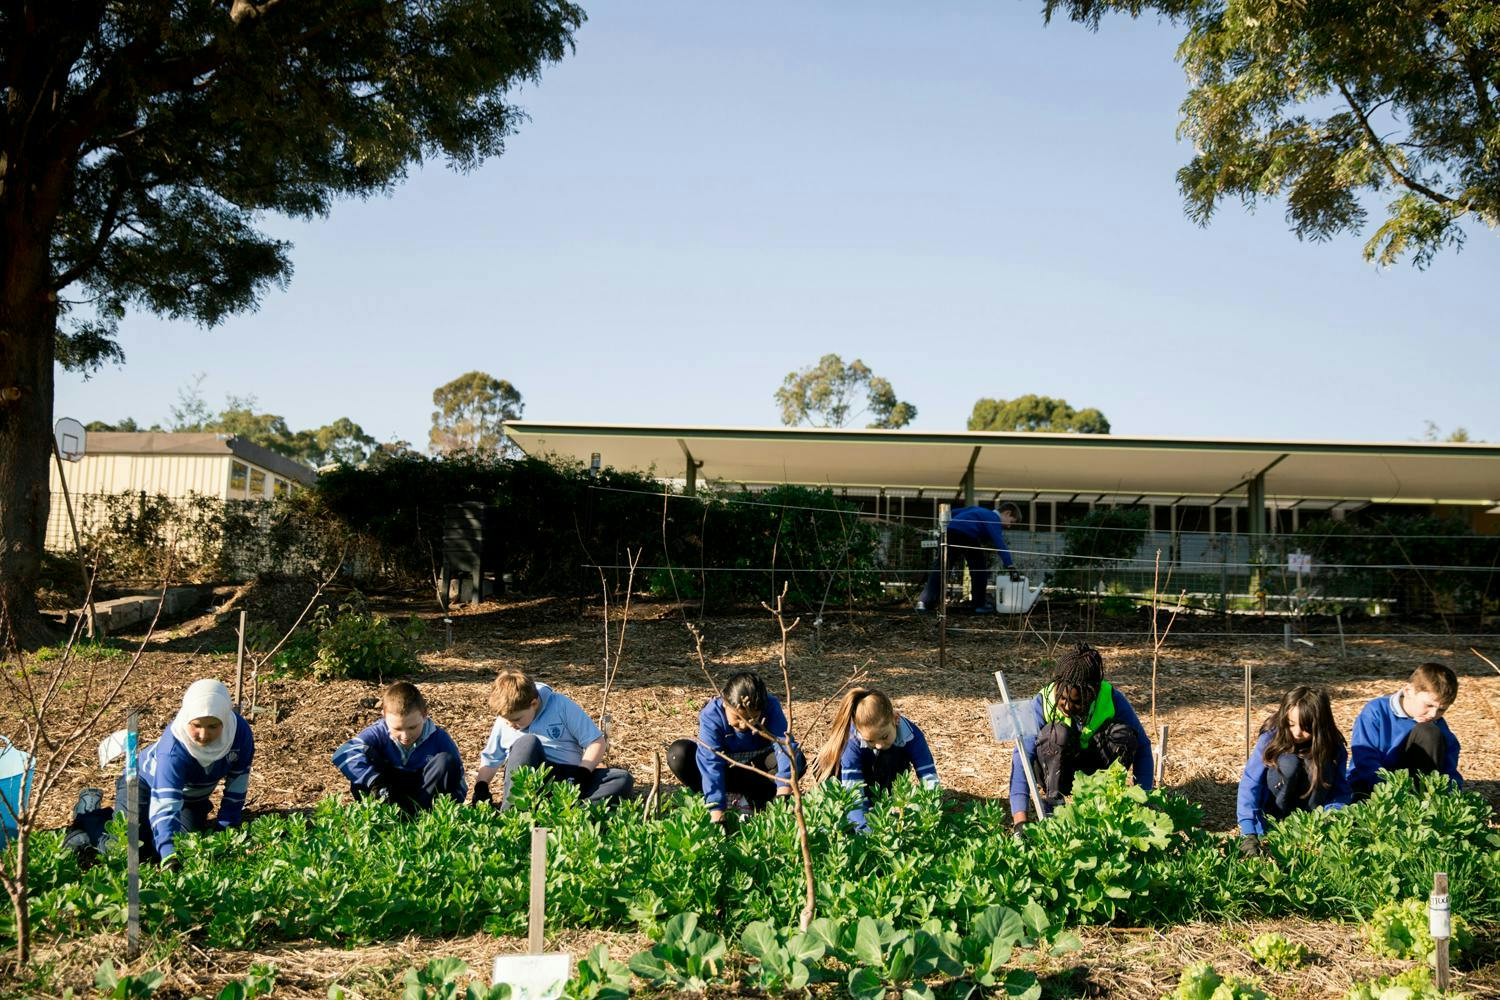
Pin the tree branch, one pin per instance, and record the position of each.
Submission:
(1396, 175)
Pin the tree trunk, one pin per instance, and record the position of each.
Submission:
(28, 328)
(21, 901)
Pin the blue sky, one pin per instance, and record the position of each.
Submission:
(709, 195)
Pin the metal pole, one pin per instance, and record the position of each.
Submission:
(239, 669)
(132, 838)
(1015, 725)
(943, 512)
(83, 564)
(588, 530)
(536, 923)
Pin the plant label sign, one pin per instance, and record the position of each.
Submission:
(533, 977)
(1004, 728)
(1299, 563)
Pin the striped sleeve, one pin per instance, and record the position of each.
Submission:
(167, 779)
(237, 780)
(921, 756)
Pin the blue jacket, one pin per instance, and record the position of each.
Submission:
(714, 731)
(1250, 805)
(1379, 733)
(1142, 765)
(858, 753)
(175, 777)
(979, 526)
(373, 751)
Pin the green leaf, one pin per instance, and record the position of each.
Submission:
(865, 984)
(868, 942)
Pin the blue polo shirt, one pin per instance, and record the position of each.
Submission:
(561, 725)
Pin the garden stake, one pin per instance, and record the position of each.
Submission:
(448, 627)
(537, 917)
(1286, 636)
(132, 838)
(1247, 709)
(1161, 755)
(943, 511)
(239, 667)
(1439, 925)
(1015, 725)
(1343, 652)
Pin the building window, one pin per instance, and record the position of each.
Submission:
(257, 483)
(239, 478)
(280, 487)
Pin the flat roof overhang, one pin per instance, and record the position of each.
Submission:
(1404, 472)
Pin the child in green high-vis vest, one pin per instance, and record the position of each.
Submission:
(1084, 724)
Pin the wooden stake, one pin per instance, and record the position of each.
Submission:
(1161, 755)
(1248, 687)
(239, 669)
(132, 838)
(536, 923)
(1439, 923)
(1343, 650)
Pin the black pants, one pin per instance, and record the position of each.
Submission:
(415, 790)
(1425, 751)
(682, 760)
(598, 784)
(1287, 780)
(1061, 756)
(976, 558)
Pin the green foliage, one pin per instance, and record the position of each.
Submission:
(117, 987)
(827, 395)
(686, 958)
(599, 977)
(439, 980)
(1404, 549)
(1037, 414)
(1278, 953)
(1413, 984)
(471, 413)
(260, 982)
(1100, 540)
(1325, 104)
(352, 643)
(1400, 929)
(1203, 982)
(785, 961)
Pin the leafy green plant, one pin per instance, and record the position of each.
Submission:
(127, 987)
(1400, 930)
(1203, 982)
(1413, 984)
(259, 982)
(986, 951)
(1277, 953)
(784, 960)
(686, 957)
(351, 643)
(439, 980)
(599, 977)
(885, 956)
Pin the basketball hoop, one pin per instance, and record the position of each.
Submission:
(71, 439)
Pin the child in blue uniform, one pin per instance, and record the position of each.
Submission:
(732, 723)
(872, 744)
(975, 534)
(1084, 725)
(536, 726)
(404, 757)
(1406, 731)
(1298, 763)
(207, 742)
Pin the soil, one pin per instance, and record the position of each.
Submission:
(660, 686)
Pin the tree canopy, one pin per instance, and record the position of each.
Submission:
(829, 393)
(471, 413)
(142, 143)
(1324, 103)
(1035, 413)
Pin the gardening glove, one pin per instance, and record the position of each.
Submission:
(380, 789)
(481, 794)
(1015, 574)
(1250, 846)
(170, 863)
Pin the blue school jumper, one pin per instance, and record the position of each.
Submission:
(177, 781)
(1251, 802)
(858, 755)
(714, 731)
(1379, 735)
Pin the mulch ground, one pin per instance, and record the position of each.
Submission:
(660, 686)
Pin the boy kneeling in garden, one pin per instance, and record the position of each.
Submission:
(1405, 731)
(537, 727)
(1084, 725)
(404, 757)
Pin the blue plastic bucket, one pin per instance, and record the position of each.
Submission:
(15, 787)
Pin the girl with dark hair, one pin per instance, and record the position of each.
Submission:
(1084, 724)
(1298, 763)
(871, 744)
(743, 723)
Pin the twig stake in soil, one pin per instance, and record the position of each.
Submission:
(537, 916)
(1158, 636)
(1161, 754)
(1343, 650)
(132, 836)
(239, 666)
(1439, 925)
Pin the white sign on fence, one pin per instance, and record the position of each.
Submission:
(1299, 562)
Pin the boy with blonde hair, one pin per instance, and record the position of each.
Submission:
(537, 727)
(1405, 731)
(404, 757)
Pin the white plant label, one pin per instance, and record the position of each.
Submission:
(533, 977)
(1439, 919)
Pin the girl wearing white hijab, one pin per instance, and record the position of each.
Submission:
(208, 742)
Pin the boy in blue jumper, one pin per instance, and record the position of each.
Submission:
(537, 727)
(404, 757)
(974, 535)
(208, 742)
(1405, 731)
(732, 724)
(1084, 724)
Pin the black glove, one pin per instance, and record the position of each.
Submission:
(1015, 574)
(1250, 846)
(380, 789)
(481, 793)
